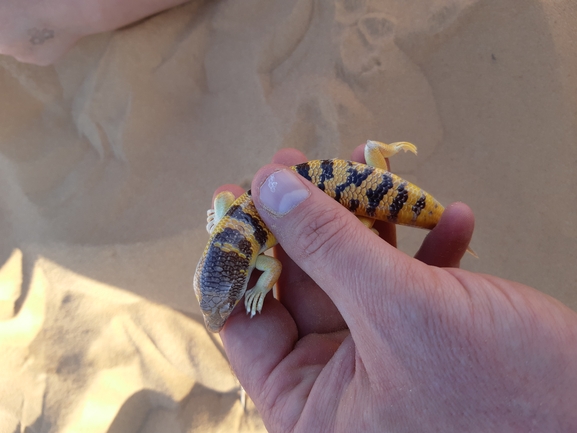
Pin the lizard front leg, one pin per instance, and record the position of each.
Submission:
(222, 202)
(254, 298)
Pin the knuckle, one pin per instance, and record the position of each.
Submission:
(322, 232)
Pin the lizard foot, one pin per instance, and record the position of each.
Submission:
(253, 300)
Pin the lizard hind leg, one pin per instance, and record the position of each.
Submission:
(376, 152)
(222, 202)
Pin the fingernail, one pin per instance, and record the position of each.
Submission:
(282, 191)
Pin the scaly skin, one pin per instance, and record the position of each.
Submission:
(239, 236)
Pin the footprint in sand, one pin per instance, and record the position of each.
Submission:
(349, 11)
(376, 28)
(364, 43)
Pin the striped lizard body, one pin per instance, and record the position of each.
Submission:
(238, 236)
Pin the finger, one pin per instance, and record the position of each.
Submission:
(328, 242)
(235, 189)
(387, 232)
(446, 244)
(272, 366)
(289, 157)
(311, 308)
(255, 346)
(358, 154)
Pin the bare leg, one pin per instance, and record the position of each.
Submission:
(41, 31)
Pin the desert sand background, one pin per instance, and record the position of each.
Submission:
(108, 161)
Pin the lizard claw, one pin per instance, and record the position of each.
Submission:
(254, 299)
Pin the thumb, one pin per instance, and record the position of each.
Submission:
(327, 241)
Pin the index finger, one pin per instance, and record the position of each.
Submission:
(309, 305)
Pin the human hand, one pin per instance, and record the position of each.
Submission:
(365, 338)
(41, 31)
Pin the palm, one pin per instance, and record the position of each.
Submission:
(411, 347)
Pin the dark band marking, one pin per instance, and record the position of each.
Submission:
(245, 247)
(260, 233)
(304, 169)
(353, 205)
(229, 236)
(399, 201)
(234, 210)
(419, 206)
(375, 196)
(355, 176)
(326, 173)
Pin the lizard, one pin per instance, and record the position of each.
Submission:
(239, 237)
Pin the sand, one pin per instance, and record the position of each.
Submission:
(108, 161)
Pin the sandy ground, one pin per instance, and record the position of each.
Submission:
(109, 158)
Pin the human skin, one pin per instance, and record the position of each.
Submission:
(366, 338)
(41, 31)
